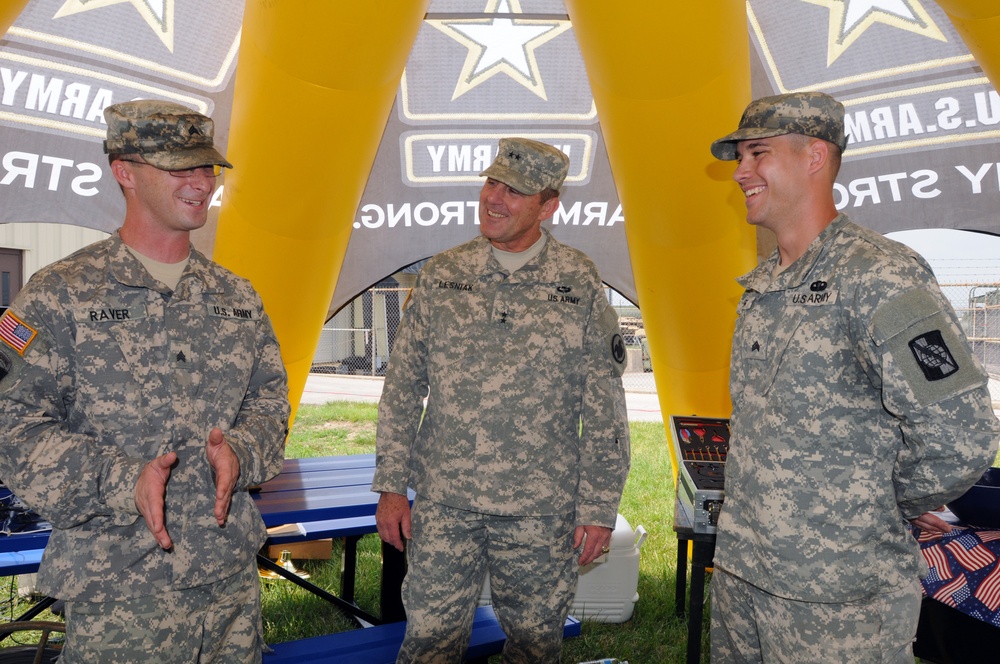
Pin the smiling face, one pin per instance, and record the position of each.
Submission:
(770, 172)
(168, 202)
(512, 220)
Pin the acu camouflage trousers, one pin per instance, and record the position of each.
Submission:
(750, 625)
(218, 623)
(533, 574)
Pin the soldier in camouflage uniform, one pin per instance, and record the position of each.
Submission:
(857, 406)
(512, 340)
(142, 392)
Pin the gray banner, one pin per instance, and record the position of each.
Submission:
(923, 119)
(472, 78)
(63, 61)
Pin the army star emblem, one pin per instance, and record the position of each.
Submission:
(501, 44)
(158, 14)
(849, 19)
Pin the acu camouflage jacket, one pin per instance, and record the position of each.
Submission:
(110, 369)
(856, 405)
(511, 365)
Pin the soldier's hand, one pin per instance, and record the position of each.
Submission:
(595, 541)
(150, 491)
(932, 524)
(226, 468)
(392, 518)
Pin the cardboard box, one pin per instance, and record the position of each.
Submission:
(312, 550)
(606, 591)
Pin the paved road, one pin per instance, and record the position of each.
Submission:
(642, 406)
(321, 388)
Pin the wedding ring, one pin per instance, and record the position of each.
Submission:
(605, 549)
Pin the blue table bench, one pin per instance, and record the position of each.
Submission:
(17, 557)
(380, 644)
(332, 497)
(13, 563)
(351, 530)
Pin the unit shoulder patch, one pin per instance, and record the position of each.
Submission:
(615, 342)
(6, 364)
(618, 354)
(933, 356)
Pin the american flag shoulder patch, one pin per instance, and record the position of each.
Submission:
(15, 333)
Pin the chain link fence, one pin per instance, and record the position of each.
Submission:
(978, 308)
(359, 339)
(972, 285)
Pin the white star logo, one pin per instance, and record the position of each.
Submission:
(158, 14)
(850, 18)
(501, 44)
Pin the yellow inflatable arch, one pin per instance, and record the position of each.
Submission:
(315, 84)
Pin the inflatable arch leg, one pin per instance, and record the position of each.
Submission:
(314, 87)
(978, 21)
(668, 81)
(9, 11)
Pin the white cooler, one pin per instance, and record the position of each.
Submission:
(606, 591)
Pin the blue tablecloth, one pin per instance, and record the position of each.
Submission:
(964, 571)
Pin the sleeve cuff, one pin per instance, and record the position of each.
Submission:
(597, 514)
(385, 482)
(119, 489)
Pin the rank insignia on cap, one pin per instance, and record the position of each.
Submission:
(15, 333)
(933, 356)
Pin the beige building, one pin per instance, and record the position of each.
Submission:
(27, 247)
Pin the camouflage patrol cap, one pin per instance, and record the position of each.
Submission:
(528, 166)
(808, 113)
(167, 135)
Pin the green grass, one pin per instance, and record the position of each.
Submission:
(335, 428)
(653, 634)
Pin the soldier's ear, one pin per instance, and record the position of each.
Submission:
(549, 208)
(819, 154)
(123, 173)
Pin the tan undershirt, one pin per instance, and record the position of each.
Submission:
(515, 260)
(166, 273)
